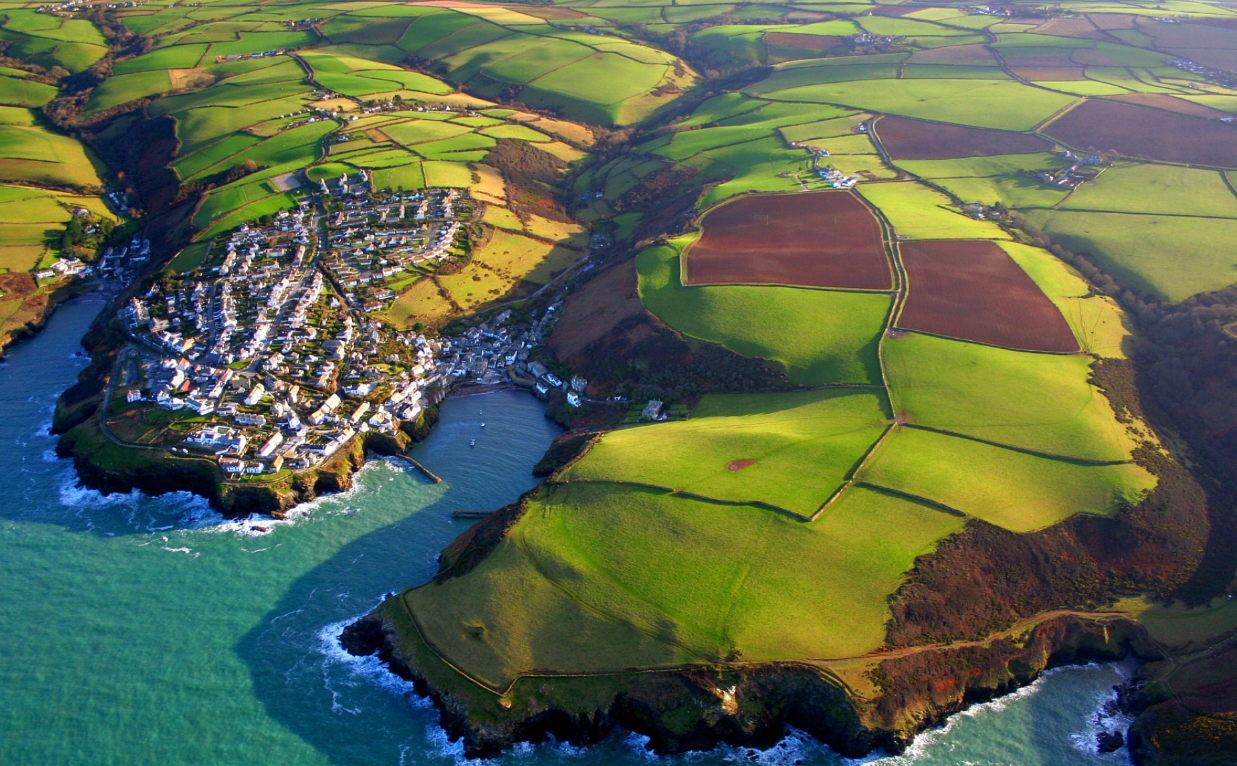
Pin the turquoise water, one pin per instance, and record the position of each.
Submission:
(147, 631)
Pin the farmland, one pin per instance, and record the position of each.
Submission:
(974, 352)
(1146, 133)
(821, 337)
(822, 434)
(917, 140)
(972, 290)
(821, 247)
(826, 239)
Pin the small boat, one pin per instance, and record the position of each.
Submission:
(472, 442)
(483, 425)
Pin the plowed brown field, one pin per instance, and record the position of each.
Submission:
(795, 40)
(972, 290)
(907, 139)
(1147, 133)
(816, 239)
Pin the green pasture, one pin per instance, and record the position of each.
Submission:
(1173, 257)
(711, 579)
(25, 93)
(981, 103)
(123, 88)
(804, 444)
(479, 622)
(821, 336)
(918, 212)
(1159, 189)
(1039, 402)
(176, 57)
(1011, 489)
(33, 154)
(1097, 321)
(763, 165)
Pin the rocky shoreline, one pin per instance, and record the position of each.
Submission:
(684, 709)
(681, 710)
(164, 473)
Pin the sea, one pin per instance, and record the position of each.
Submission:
(138, 630)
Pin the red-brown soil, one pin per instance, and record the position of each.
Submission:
(1171, 103)
(593, 311)
(794, 40)
(1148, 133)
(1114, 20)
(972, 290)
(739, 465)
(817, 239)
(907, 139)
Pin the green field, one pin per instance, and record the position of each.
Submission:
(22, 92)
(1039, 402)
(695, 580)
(34, 154)
(821, 336)
(1011, 489)
(123, 88)
(804, 446)
(1173, 257)
(1157, 189)
(918, 212)
(981, 103)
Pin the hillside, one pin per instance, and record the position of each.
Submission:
(937, 300)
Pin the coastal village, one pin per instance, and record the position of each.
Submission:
(266, 357)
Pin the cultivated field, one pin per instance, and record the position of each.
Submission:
(1147, 133)
(920, 140)
(823, 239)
(972, 290)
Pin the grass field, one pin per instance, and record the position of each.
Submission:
(34, 154)
(696, 580)
(979, 103)
(1039, 402)
(1159, 189)
(821, 336)
(123, 88)
(1097, 321)
(804, 446)
(1011, 489)
(1169, 256)
(918, 212)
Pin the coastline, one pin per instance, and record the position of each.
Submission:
(678, 710)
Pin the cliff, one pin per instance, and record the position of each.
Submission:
(696, 708)
(109, 467)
